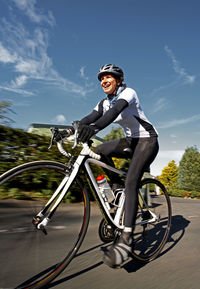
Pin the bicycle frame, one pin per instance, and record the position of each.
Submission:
(105, 205)
(116, 220)
(62, 190)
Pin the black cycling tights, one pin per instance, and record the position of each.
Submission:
(144, 151)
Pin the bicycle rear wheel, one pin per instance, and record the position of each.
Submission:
(153, 219)
(31, 259)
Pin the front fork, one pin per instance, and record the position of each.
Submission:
(40, 221)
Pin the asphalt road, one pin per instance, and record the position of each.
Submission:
(178, 266)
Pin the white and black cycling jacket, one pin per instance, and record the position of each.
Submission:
(123, 109)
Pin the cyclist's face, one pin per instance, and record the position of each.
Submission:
(109, 83)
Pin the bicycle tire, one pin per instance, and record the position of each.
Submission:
(17, 232)
(150, 238)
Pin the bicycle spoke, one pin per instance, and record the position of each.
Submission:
(155, 216)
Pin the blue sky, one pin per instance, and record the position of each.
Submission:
(51, 50)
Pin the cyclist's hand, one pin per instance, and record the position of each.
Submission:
(85, 132)
(63, 134)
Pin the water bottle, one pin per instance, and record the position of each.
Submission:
(105, 188)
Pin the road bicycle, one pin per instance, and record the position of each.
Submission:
(40, 232)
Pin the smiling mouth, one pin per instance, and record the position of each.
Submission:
(106, 86)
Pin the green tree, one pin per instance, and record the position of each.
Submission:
(4, 109)
(169, 176)
(115, 133)
(189, 170)
(18, 147)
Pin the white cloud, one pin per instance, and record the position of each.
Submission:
(34, 14)
(6, 56)
(31, 60)
(180, 71)
(19, 81)
(60, 119)
(164, 87)
(31, 67)
(17, 90)
(89, 85)
(183, 77)
(173, 136)
(159, 105)
(177, 122)
(82, 73)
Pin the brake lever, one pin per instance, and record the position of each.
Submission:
(75, 125)
(51, 143)
(54, 131)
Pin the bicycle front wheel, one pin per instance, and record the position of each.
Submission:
(29, 258)
(153, 220)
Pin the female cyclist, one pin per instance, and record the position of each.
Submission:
(121, 106)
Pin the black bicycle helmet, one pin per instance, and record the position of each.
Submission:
(111, 69)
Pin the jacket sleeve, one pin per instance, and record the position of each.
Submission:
(94, 115)
(111, 114)
(90, 118)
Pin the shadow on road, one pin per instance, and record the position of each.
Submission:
(88, 250)
(177, 231)
(65, 279)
